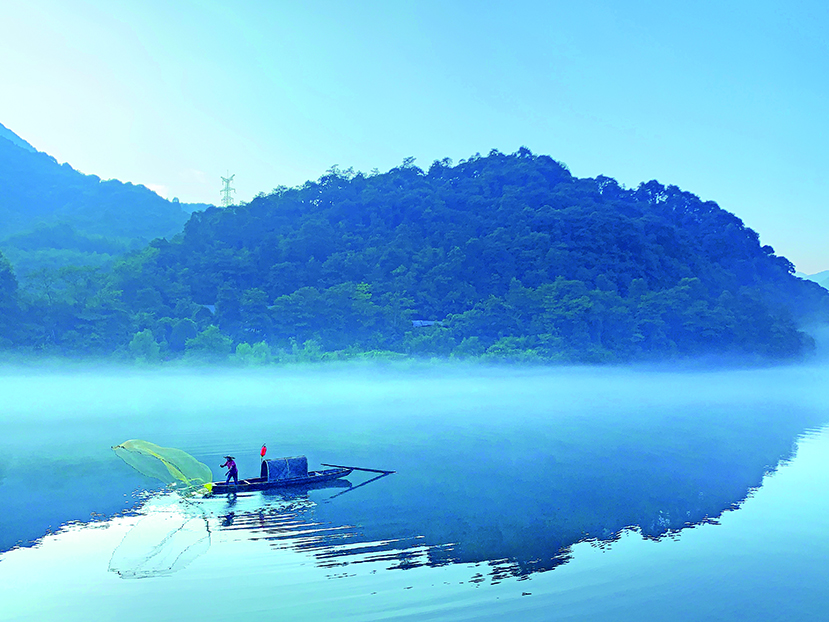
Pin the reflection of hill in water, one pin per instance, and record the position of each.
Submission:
(522, 508)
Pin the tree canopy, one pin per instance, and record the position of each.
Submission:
(506, 256)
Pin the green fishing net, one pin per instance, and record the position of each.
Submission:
(170, 465)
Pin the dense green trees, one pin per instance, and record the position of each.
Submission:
(144, 347)
(505, 257)
(9, 306)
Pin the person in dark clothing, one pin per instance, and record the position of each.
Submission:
(231, 470)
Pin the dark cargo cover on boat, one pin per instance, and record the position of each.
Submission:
(285, 468)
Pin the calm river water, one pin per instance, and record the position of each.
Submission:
(532, 494)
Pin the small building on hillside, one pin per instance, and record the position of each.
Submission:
(423, 323)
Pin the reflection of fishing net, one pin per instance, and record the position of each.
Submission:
(171, 466)
(161, 543)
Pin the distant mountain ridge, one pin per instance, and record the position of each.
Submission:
(15, 139)
(821, 278)
(52, 216)
(34, 188)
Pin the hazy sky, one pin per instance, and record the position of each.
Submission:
(727, 100)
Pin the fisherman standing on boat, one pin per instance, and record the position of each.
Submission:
(231, 470)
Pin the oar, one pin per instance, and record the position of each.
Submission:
(340, 466)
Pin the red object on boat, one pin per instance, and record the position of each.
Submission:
(263, 451)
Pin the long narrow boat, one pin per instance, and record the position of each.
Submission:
(279, 473)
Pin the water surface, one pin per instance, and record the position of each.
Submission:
(503, 476)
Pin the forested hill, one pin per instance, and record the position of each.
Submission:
(506, 257)
(36, 189)
(513, 256)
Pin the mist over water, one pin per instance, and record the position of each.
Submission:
(506, 467)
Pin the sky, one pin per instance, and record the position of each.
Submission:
(727, 100)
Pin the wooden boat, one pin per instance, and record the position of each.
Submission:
(279, 473)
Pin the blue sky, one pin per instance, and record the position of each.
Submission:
(725, 100)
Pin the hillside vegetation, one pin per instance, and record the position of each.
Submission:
(501, 257)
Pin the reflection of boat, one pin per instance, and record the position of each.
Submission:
(280, 473)
(296, 490)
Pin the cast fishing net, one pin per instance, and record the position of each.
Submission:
(173, 530)
(170, 465)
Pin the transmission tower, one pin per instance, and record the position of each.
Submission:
(226, 192)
